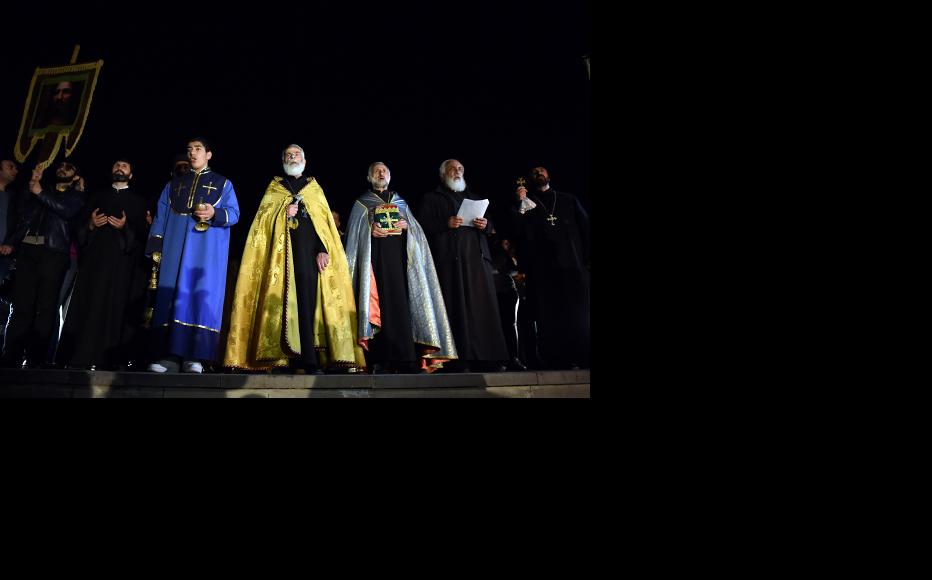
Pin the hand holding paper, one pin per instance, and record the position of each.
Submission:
(472, 209)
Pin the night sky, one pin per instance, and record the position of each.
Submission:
(501, 87)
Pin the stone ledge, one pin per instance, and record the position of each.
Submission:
(101, 384)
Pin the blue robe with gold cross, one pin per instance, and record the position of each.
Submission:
(193, 269)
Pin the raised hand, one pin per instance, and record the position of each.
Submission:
(34, 185)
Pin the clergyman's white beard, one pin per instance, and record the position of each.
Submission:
(294, 170)
(379, 183)
(455, 183)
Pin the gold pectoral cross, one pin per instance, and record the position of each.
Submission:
(552, 219)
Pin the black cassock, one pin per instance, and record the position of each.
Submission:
(305, 244)
(554, 254)
(107, 305)
(464, 268)
(393, 344)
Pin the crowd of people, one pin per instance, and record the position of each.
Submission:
(103, 280)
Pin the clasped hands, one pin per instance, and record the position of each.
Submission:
(99, 220)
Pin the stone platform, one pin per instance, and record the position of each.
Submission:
(102, 384)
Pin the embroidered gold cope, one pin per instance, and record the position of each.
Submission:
(264, 317)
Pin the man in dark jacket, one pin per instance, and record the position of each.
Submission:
(41, 244)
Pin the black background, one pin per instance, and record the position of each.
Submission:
(500, 87)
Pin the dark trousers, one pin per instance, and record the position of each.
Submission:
(64, 299)
(527, 333)
(508, 310)
(39, 276)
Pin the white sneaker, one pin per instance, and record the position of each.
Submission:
(192, 366)
(157, 368)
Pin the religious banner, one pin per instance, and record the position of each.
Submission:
(56, 110)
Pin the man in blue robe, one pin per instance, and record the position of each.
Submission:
(192, 264)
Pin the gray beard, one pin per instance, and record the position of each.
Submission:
(379, 183)
(294, 170)
(455, 184)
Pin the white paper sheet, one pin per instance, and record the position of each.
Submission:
(472, 209)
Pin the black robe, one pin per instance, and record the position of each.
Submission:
(555, 257)
(392, 345)
(106, 307)
(464, 268)
(305, 244)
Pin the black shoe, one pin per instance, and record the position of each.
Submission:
(377, 369)
(516, 365)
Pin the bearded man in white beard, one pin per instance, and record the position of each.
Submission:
(293, 304)
(464, 268)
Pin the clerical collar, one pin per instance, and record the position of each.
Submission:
(294, 183)
(120, 185)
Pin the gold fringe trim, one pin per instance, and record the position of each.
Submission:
(79, 126)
